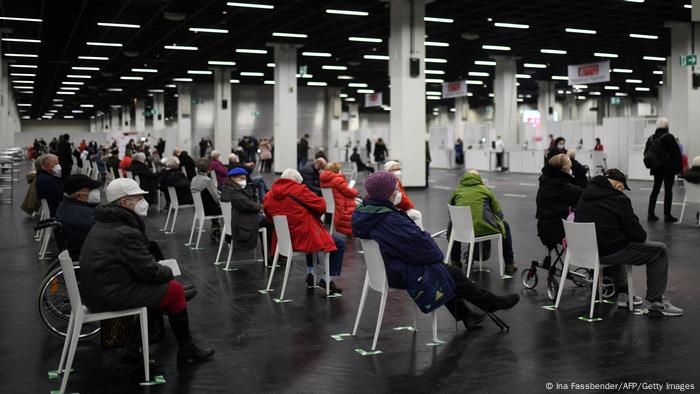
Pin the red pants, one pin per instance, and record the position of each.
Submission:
(174, 300)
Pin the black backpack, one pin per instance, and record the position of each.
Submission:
(654, 156)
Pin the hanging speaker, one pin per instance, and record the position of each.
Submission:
(414, 67)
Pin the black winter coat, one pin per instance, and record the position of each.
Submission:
(671, 150)
(557, 193)
(76, 218)
(65, 155)
(148, 179)
(117, 271)
(187, 163)
(50, 188)
(312, 178)
(616, 225)
(580, 174)
(178, 180)
(244, 213)
(692, 174)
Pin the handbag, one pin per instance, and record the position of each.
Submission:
(114, 333)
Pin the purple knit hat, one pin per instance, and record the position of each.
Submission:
(380, 185)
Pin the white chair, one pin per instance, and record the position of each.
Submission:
(582, 251)
(95, 171)
(129, 175)
(463, 231)
(174, 207)
(284, 248)
(212, 175)
(80, 315)
(45, 234)
(137, 179)
(330, 205)
(355, 170)
(226, 213)
(199, 216)
(375, 278)
(692, 195)
(44, 214)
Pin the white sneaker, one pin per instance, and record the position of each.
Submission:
(623, 298)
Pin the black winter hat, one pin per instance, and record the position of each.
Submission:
(76, 182)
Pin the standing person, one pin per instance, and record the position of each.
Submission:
(558, 148)
(187, 163)
(500, 150)
(380, 151)
(692, 175)
(160, 146)
(663, 157)
(459, 152)
(368, 146)
(53, 145)
(125, 163)
(202, 147)
(65, 155)
(598, 146)
(303, 151)
(266, 155)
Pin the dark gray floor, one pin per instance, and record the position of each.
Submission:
(267, 347)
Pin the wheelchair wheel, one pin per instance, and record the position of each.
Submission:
(608, 288)
(529, 278)
(54, 307)
(584, 281)
(552, 288)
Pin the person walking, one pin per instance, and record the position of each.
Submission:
(663, 158)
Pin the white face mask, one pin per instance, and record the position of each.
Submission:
(94, 196)
(141, 208)
(56, 170)
(560, 146)
(397, 199)
(242, 183)
(397, 173)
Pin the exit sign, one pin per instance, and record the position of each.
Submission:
(689, 60)
(615, 100)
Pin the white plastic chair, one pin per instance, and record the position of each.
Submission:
(375, 278)
(330, 205)
(226, 213)
(80, 315)
(463, 231)
(129, 175)
(212, 175)
(692, 195)
(44, 214)
(355, 170)
(582, 251)
(95, 171)
(174, 207)
(45, 234)
(137, 179)
(284, 248)
(199, 216)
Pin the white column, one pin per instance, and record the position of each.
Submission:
(505, 93)
(222, 112)
(685, 101)
(184, 117)
(140, 114)
(113, 121)
(285, 106)
(333, 137)
(460, 117)
(4, 103)
(126, 119)
(545, 103)
(93, 125)
(408, 124)
(158, 115)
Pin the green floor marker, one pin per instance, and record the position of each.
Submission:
(586, 319)
(550, 307)
(333, 295)
(506, 277)
(436, 342)
(281, 301)
(191, 248)
(264, 291)
(638, 311)
(404, 328)
(366, 353)
(156, 380)
(312, 287)
(220, 263)
(59, 392)
(604, 302)
(230, 269)
(55, 374)
(339, 337)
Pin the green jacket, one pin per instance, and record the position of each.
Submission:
(486, 211)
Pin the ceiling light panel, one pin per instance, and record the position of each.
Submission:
(123, 25)
(208, 30)
(365, 39)
(250, 5)
(511, 25)
(347, 12)
(252, 51)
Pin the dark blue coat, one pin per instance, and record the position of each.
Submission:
(410, 254)
(49, 187)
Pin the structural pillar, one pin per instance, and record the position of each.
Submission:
(334, 138)
(158, 115)
(140, 115)
(184, 117)
(4, 104)
(461, 116)
(113, 121)
(126, 119)
(505, 91)
(222, 112)
(545, 104)
(285, 106)
(408, 124)
(93, 124)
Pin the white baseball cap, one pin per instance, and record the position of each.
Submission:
(122, 187)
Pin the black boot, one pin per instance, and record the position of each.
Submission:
(490, 302)
(187, 351)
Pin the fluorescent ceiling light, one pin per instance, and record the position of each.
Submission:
(436, 44)
(644, 36)
(156, 91)
(271, 65)
(73, 83)
(23, 87)
(250, 5)
(688, 6)
(434, 72)
(580, 31)
(485, 62)
(20, 40)
(365, 39)
(345, 77)
(234, 81)
(18, 81)
(131, 78)
(636, 81)
(658, 72)
(10, 18)
(347, 12)
(125, 25)
(495, 47)
(207, 30)
(429, 93)
(622, 70)
(367, 91)
(340, 68)
(473, 82)
(376, 57)
(68, 117)
(434, 98)
(85, 68)
(434, 80)
(610, 87)
(253, 51)
(221, 63)
(553, 51)
(580, 97)
(23, 66)
(438, 20)
(76, 111)
(22, 75)
(182, 79)
(478, 74)
(171, 85)
(104, 44)
(200, 72)
(357, 85)
(641, 89)
(252, 74)
(269, 82)
(635, 1)
(534, 65)
(144, 70)
(621, 94)
(560, 78)
(655, 58)
(311, 83)
(86, 106)
(24, 105)
(114, 89)
(305, 76)
(93, 58)
(290, 35)
(181, 47)
(58, 100)
(78, 76)
(511, 25)
(66, 93)
(343, 95)
(350, 99)
(435, 60)
(606, 55)
(316, 54)
(579, 87)
(523, 76)
(20, 55)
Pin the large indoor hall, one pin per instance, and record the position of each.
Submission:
(380, 196)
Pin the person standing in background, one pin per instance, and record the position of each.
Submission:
(598, 146)
(368, 146)
(500, 149)
(667, 154)
(265, 155)
(303, 151)
(459, 152)
(380, 151)
(65, 155)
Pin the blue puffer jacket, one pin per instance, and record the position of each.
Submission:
(412, 259)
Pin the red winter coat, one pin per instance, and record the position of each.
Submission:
(344, 201)
(406, 202)
(308, 234)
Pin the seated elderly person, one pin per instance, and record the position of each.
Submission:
(257, 181)
(405, 204)
(147, 178)
(343, 196)
(204, 185)
(246, 210)
(289, 197)
(173, 177)
(118, 272)
(486, 214)
(48, 182)
(410, 254)
(578, 170)
(556, 198)
(219, 169)
(76, 213)
(112, 163)
(311, 175)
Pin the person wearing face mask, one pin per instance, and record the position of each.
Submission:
(76, 213)
(623, 241)
(404, 203)
(48, 181)
(117, 270)
(558, 146)
(410, 254)
(246, 210)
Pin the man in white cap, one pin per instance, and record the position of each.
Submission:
(117, 270)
